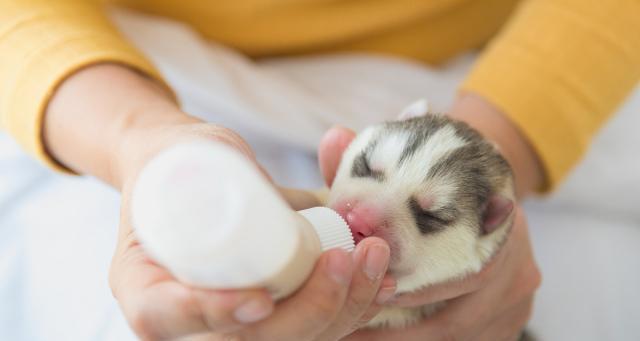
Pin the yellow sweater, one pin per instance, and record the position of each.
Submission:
(558, 68)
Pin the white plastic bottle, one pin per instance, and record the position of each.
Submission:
(203, 211)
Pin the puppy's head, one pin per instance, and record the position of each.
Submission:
(434, 189)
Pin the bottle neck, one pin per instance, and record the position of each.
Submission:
(330, 228)
(300, 266)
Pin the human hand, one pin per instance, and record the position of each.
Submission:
(339, 296)
(493, 304)
(107, 120)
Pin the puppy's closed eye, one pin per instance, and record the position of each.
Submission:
(428, 220)
(362, 169)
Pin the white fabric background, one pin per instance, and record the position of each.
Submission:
(58, 232)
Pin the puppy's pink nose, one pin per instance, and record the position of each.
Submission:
(363, 219)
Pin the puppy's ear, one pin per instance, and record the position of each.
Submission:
(498, 210)
(415, 109)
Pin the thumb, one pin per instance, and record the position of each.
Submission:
(332, 146)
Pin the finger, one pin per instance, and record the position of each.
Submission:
(332, 146)
(371, 259)
(224, 311)
(308, 312)
(387, 289)
(205, 337)
(169, 309)
(157, 306)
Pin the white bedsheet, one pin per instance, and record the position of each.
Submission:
(58, 233)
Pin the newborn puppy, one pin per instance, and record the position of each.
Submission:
(433, 188)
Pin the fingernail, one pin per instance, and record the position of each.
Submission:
(385, 294)
(252, 311)
(339, 267)
(376, 263)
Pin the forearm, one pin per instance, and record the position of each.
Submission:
(558, 69)
(92, 114)
(497, 127)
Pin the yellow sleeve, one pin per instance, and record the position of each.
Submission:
(558, 69)
(41, 43)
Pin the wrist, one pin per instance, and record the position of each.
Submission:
(89, 111)
(138, 135)
(496, 127)
(152, 131)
